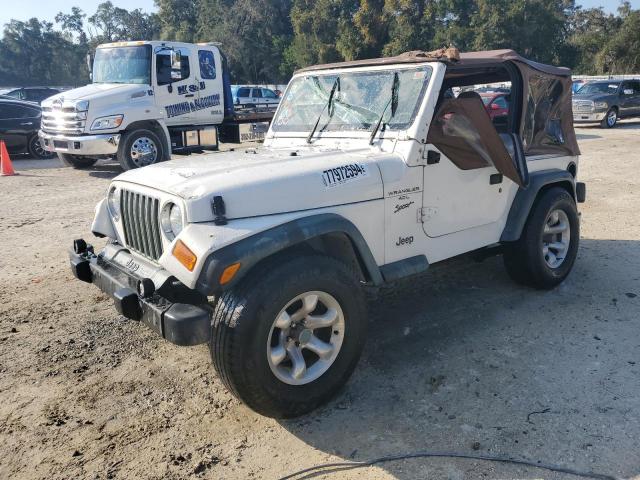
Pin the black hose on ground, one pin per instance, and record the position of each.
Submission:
(328, 468)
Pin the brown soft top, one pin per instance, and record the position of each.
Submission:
(450, 56)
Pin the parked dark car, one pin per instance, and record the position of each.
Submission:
(30, 94)
(19, 125)
(606, 101)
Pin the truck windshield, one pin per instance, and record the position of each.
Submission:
(356, 105)
(123, 65)
(591, 88)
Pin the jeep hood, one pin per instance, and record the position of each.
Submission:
(266, 181)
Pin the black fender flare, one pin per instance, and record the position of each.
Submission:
(525, 198)
(251, 250)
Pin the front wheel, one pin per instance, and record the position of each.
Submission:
(289, 336)
(36, 150)
(139, 148)
(77, 161)
(610, 120)
(548, 247)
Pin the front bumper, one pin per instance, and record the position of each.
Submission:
(178, 314)
(588, 117)
(105, 144)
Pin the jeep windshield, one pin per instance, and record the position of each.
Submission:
(357, 103)
(599, 87)
(123, 65)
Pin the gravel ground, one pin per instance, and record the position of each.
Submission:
(458, 359)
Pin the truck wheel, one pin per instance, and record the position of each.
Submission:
(544, 255)
(77, 161)
(610, 120)
(36, 150)
(289, 336)
(139, 148)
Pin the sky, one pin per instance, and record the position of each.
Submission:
(47, 9)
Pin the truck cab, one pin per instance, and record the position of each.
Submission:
(371, 171)
(146, 99)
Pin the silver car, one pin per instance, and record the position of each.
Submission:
(254, 96)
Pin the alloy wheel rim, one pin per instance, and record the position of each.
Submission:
(611, 118)
(556, 238)
(305, 338)
(143, 151)
(37, 147)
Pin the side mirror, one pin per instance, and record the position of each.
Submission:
(90, 64)
(495, 106)
(176, 59)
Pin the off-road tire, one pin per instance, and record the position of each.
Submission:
(242, 322)
(524, 259)
(127, 140)
(77, 161)
(605, 121)
(36, 151)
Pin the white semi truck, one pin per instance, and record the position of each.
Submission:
(147, 99)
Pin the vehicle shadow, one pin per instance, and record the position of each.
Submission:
(630, 124)
(25, 162)
(105, 169)
(583, 136)
(461, 359)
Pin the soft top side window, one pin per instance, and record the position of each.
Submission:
(463, 131)
(542, 116)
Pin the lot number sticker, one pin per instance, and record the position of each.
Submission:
(344, 174)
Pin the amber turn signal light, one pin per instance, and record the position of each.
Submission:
(185, 256)
(229, 273)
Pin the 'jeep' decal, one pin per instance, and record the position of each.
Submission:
(343, 174)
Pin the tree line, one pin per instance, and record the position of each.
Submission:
(266, 40)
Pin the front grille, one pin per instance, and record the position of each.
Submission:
(141, 223)
(63, 120)
(582, 106)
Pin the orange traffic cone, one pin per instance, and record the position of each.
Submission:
(6, 168)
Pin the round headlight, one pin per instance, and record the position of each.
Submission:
(171, 220)
(113, 202)
(175, 219)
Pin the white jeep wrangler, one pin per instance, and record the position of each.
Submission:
(371, 171)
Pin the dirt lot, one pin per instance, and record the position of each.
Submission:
(460, 359)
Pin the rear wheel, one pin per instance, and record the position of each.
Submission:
(289, 336)
(139, 148)
(36, 150)
(610, 120)
(77, 161)
(547, 249)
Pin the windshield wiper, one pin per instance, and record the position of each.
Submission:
(393, 101)
(336, 85)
